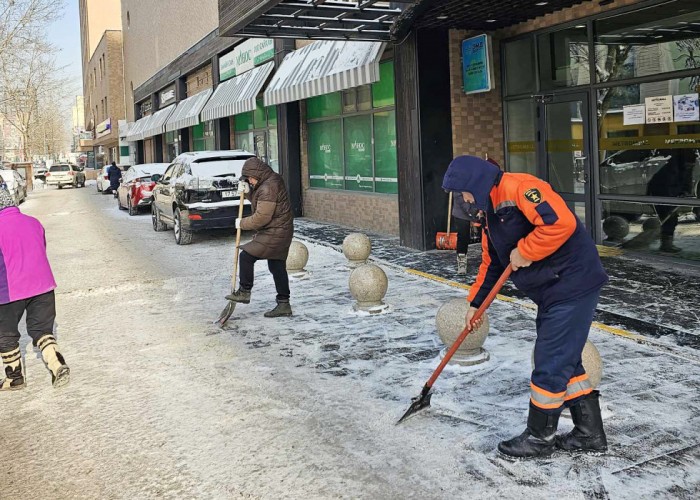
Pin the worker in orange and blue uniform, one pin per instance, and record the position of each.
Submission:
(555, 262)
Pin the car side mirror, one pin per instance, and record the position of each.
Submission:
(156, 177)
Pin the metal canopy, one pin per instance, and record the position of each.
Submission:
(365, 20)
(473, 14)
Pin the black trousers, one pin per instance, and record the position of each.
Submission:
(41, 314)
(462, 228)
(278, 268)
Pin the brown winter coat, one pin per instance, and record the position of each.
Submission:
(272, 213)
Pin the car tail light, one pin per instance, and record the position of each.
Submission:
(106, 177)
(48, 173)
(194, 217)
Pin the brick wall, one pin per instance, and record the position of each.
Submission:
(199, 80)
(368, 211)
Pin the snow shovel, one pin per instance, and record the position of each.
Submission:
(423, 401)
(231, 306)
(448, 240)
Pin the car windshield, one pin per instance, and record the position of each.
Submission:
(60, 168)
(218, 167)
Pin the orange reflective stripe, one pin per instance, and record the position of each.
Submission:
(549, 406)
(578, 379)
(582, 392)
(553, 395)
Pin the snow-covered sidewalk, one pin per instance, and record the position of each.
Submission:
(164, 404)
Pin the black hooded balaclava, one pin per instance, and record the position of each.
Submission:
(472, 174)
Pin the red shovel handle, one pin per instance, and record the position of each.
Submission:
(467, 330)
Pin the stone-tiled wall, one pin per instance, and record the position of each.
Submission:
(369, 211)
(199, 80)
(477, 119)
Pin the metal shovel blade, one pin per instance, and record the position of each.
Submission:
(226, 313)
(422, 401)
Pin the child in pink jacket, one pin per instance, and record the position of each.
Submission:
(26, 285)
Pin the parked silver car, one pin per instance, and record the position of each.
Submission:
(16, 184)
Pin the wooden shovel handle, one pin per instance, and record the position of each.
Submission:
(238, 244)
(449, 215)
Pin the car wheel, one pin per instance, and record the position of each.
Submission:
(60, 186)
(182, 236)
(158, 225)
(132, 209)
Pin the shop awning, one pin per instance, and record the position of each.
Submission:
(238, 94)
(187, 112)
(136, 129)
(157, 122)
(322, 68)
(124, 128)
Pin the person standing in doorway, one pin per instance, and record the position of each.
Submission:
(273, 222)
(26, 286)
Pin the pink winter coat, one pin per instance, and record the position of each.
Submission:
(24, 267)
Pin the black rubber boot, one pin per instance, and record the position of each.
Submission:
(240, 295)
(588, 434)
(282, 309)
(667, 244)
(537, 441)
(14, 374)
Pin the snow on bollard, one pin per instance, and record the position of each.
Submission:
(616, 228)
(356, 248)
(368, 285)
(450, 323)
(297, 259)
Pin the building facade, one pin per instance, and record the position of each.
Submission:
(597, 98)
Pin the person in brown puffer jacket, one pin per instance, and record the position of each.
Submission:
(273, 220)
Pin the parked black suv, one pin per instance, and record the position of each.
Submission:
(198, 191)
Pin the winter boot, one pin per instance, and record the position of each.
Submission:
(461, 264)
(13, 371)
(538, 440)
(588, 434)
(667, 244)
(60, 373)
(240, 295)
(282, 309)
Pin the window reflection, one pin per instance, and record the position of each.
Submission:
(563, 58)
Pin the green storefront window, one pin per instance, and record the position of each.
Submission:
(243, 122)
(358, 153)
(259, 119)
(123, 150)
(271, 116)
(383, 90)
(385, 164)
(323, 105)
(198, 137)
(326, 155)
(244, 141)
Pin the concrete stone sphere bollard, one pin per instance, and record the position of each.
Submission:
(616, 228)
(356, 248)
(368, 285)
(592, 363)
(450, 322)
(651, 224)
(297, 259)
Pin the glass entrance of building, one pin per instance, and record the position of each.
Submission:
(563, 129)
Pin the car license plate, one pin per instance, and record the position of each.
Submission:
(228, 194)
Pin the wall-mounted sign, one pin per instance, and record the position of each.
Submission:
(634, 114)
(245, 57)
(167, 96)
(685, 108)
(104, 128)
(477, 70)
(86, 136)
(659, 109)
(146, 108)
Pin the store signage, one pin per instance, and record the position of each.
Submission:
(245, 57)
(167, 96)
(146, 108)
(477, 70)
(86, 136)
(104, 128)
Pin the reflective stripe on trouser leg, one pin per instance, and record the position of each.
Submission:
(562, 330)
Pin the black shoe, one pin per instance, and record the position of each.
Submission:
(538, 440)
(14, 372)
(588, 434)
(240, 295)
(283, 309)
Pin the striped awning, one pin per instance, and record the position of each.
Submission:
(187, 112)
(136, 129)
(124, 128)
(324, 67)
(157, 122)
(238, 94)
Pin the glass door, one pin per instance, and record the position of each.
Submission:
(260, 145)
(564, 148)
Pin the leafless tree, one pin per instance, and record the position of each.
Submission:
(23, 21)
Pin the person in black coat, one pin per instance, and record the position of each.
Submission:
(115, 175)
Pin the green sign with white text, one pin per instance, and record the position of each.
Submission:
(245, 57)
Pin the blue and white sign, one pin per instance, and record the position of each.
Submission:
(477, 71)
